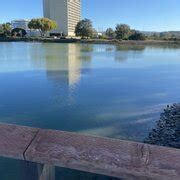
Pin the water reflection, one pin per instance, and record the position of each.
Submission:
(133, 48)
(124, 52)
(68, 65)
(94, 89)
(60, 60)
(104, 90)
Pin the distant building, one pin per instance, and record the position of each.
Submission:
(67, 13)
(23, 24)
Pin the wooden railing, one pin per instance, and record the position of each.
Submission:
(105, 156)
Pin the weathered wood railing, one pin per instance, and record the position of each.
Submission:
(117, 158)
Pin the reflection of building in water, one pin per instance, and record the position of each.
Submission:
(63, 67)
(65, 64)
(74, 64)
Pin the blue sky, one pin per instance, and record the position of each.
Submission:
(150, 15)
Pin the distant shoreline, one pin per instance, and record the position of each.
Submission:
(129, 42)
(92, 41)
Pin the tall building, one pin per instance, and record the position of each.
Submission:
(67, 13)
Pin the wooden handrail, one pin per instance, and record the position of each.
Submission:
(112, 157)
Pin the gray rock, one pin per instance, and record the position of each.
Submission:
(167, 130)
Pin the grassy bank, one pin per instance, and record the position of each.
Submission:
(35, 39)
(93, 41)
(129, 42)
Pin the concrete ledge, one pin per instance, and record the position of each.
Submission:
(91, 154)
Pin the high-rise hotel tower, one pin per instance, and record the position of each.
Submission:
(67, 13)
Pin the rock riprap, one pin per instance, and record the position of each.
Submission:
(167, 130)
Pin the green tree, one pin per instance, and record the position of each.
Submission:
(94, 33)
(137, 36)
(110, 33)
(6, 29)
(43, 25)
(155, 36)
(1, 30)
(18, 32)
(84, 28)
(165, 35)
(123, 31)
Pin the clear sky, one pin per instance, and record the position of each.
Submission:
(148, 15)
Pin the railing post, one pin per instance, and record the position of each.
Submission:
(47, 173)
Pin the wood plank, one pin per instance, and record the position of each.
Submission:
(104, 156)
(91, 154)
(14, 140)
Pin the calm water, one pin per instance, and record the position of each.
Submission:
(104, 90)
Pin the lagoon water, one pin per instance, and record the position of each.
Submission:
(103, 90)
